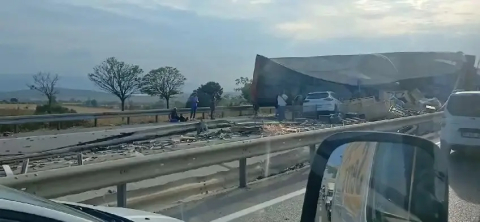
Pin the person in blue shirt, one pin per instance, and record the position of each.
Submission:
(194, 105)
(174, 115)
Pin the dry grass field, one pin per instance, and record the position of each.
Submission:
(29, 109)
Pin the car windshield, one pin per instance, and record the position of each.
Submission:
(212, 110)
(320, 95)
(15, 195)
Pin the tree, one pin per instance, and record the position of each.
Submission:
(45, 83)
(245, 85)
(117, 78)
(212, 88)
(332, 170)
(13, 100)
(164, 82)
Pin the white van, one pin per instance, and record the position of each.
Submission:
(461, 124)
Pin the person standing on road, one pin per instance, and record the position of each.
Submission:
(194, 104)
(276, 105)
(213, 101)
(282, 103)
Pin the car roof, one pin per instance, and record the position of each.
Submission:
(465, 92)
(319, 92)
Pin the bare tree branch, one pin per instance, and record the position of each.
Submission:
(45, 83)
(117, 78)
(164, 82)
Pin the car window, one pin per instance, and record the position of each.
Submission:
(334, 95)
(23, 197)
(457, 105)
(390, 180)
(15, 216)
(330, 193)
(320, 95)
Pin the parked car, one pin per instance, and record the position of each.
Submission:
(16, 205)
(321, 103)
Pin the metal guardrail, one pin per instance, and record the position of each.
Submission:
(15, 120)
(77, 179)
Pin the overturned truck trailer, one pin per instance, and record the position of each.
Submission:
(434, 73)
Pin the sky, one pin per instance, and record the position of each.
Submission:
(217, 40)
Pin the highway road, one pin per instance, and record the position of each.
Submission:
(43, 140)
(280, 198)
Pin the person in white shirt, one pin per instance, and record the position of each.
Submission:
(282, 103)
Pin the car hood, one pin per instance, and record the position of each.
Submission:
(131, 214)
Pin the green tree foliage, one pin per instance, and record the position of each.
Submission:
(212, 88)
(205, 93)
(91, 103)
(118, 78)
(244, 85)
(164, 82)
(332, 170)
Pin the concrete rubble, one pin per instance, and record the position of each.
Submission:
(203, 137)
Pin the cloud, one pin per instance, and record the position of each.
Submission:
(218, 39)
(325, 19)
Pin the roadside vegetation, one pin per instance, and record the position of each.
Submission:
(122, 80)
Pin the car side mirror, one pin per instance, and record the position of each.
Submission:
(377, 176)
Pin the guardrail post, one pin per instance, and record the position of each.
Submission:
(223, 114)
(128, 120)
(156, 118)
(203, 115)
(240, 113)
(15, 128)
(312, 152)
(59, 125)
(122, 195)
(80, 159)
(95, 122)
(8, 171)
(242, 170)
(24, 169)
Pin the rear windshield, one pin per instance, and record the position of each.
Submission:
(330, 193)
(321, 95)
(464, 105)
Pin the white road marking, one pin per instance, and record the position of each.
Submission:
(260, 206)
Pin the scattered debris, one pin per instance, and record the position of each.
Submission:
(202, 137)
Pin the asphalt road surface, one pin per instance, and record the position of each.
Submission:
(44, 140)
(281, 198)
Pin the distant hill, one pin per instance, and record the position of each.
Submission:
(14, 82)
(65, 94)
(74, 87)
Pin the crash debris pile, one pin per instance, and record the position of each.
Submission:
(203, 137)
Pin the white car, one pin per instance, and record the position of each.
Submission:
(321, 103)
(18, 206)
(461, 126)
